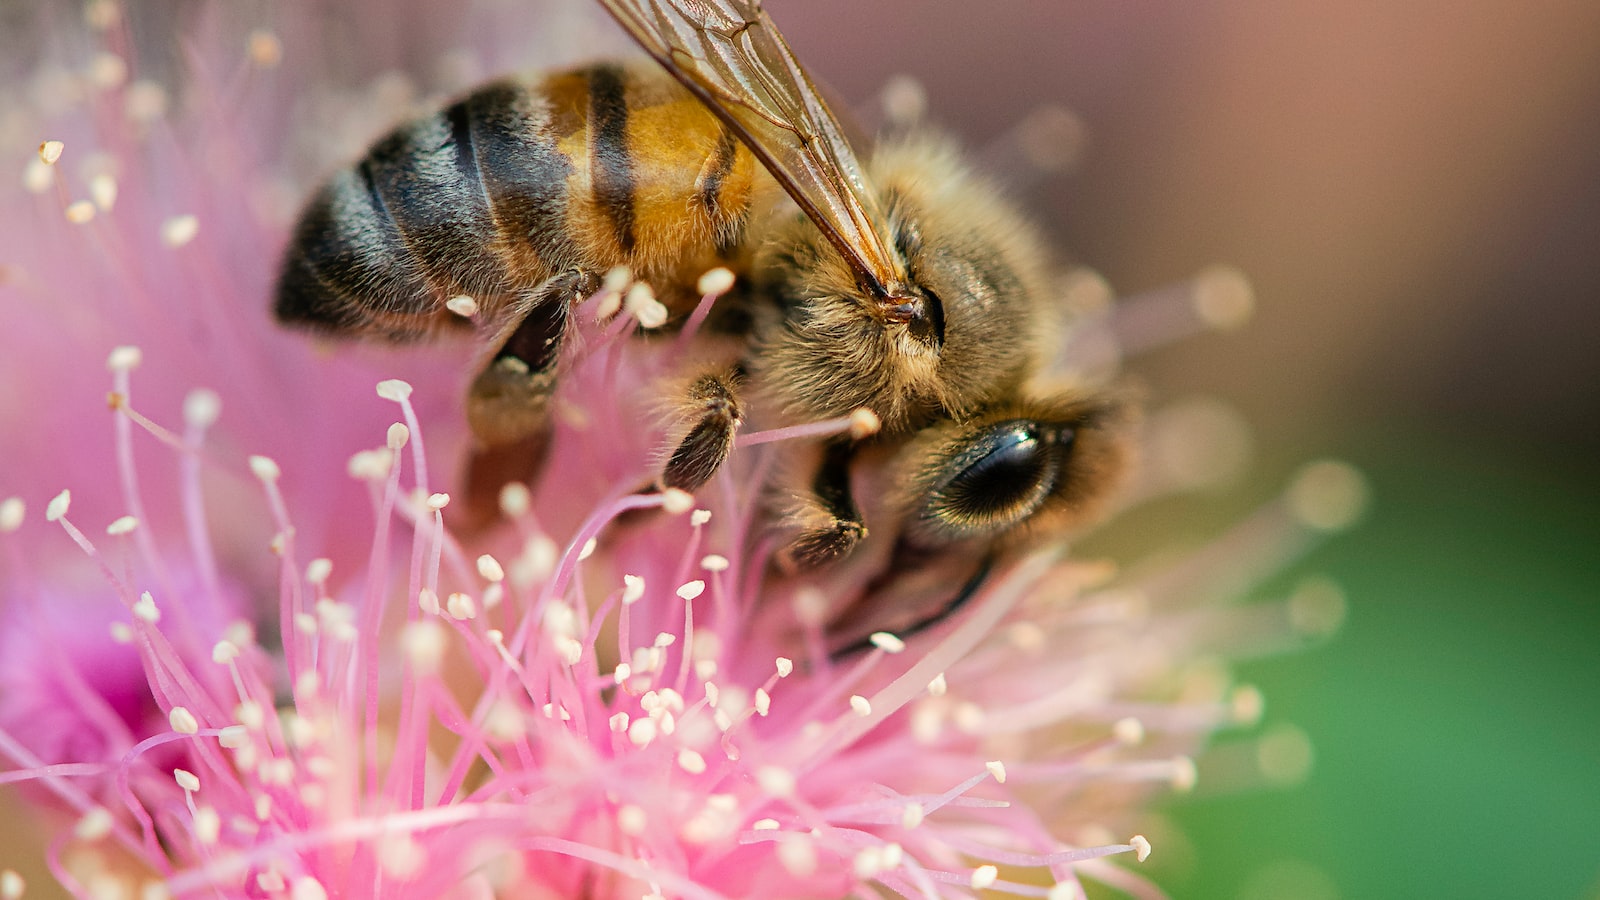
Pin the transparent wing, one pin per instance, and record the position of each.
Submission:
(730, 55)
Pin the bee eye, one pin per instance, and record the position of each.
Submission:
(1000, 479)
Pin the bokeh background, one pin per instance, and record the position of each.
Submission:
(1414, 189)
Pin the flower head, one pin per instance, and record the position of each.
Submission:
(247, 654)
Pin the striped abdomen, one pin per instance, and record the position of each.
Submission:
(522, 180)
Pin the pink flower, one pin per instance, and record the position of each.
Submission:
(245, 656)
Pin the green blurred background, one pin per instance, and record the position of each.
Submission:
(1415, 191)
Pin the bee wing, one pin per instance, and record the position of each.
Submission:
(730, 55)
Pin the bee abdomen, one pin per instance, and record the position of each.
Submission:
(347, 266)
(467, 200)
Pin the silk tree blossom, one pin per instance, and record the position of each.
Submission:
(244, 653)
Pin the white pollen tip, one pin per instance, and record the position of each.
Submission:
(124, 359)
(183, 721)
(438, 501)
(12, 885)
(423, 643)
(864, 423)
(677, 501)
(318, 570)
(264, 468)
(397, 436)
(264, 49)
(122, 525)
(58, 506)
(80, 213)
(997, 769)
(651, 315)
(912, 815)
(1141, 847)
(103, 191)
(490, 568)
(984, 876)
(201, 408)
(515, 499)
(938, 686)
(12, 511)
(861, 705)
(887, 642)
(617, 279)
(691, 762)
(462, 305)
(632, 589)
(461, 606)
(699, 517)
(145, 608)
(1128, 731)
(186, 779)
(224, 652)
(785, 666)
(717, 281)
(588, 548)
(691, 590)
(1328, 495)
(1223, 297)
(395, 390)
(179, 230)
(1184, 774)
(94, 825)
(764, 825)
(714, 562)
(50, 152)
(632, 820)
(778, 782)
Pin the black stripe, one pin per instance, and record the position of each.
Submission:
(522, 170)
(438, 203)
(610, 163)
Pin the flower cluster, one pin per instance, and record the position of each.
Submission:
(244, 653)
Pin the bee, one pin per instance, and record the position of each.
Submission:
(902, 285)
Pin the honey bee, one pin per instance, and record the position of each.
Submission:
(904, 285)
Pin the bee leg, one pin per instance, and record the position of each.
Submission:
(830, 524)
(508, 404)
(713, 402)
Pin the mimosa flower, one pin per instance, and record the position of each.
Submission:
(244, 654)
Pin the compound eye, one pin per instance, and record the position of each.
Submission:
(998, 480)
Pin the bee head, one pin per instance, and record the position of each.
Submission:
(961, 330)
